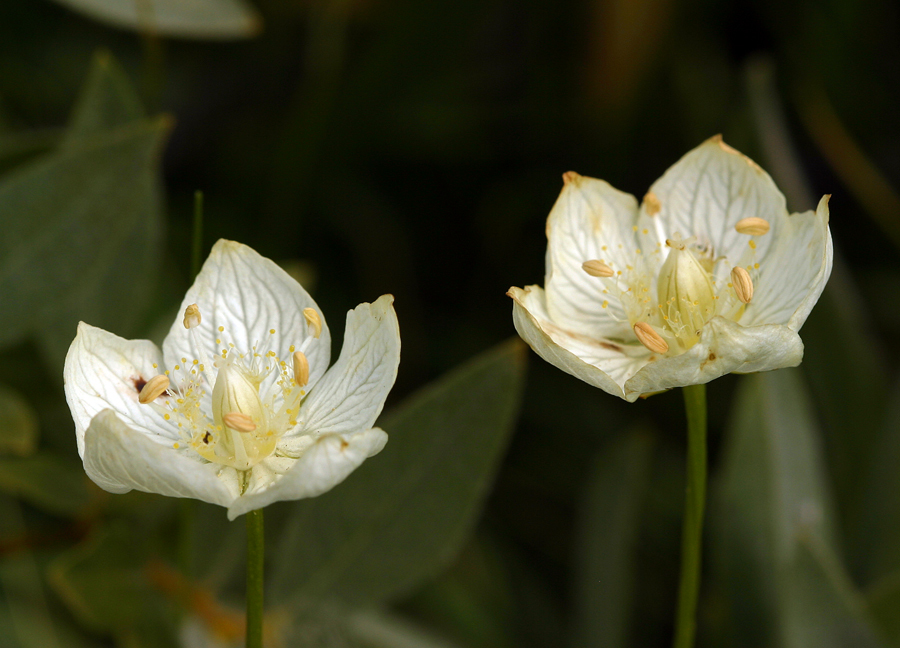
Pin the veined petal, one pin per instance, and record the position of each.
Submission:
(794, 271)
(104, 371)
(351, 394)
(600, 363)
(724, 347)
(248, 296)
(119, 459)
(709, 190)
(590, 221)
(323, 466)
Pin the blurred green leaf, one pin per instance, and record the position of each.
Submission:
(880, 525)
(18, 424)
(17, 147)
(372, 629)
(607, 539)
(30, 623)
(839, 332)
(54, 483)
(104, 582)
(778, 550)
(404, 514)
(82, 225)
(213, 19)
(884, 601)
(81, 237)
(107, 101)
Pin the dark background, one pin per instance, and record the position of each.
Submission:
(416, 148)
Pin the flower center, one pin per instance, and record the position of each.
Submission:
(692, 287)
(239, 415)
(239, 423)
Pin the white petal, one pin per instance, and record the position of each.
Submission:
(794, 271)
(322, 467)
(104, 371)
(709, 190)
(119, 459)
(599, 363)
(590, 221)
(724, 347)
(351, 394)
(248, 295)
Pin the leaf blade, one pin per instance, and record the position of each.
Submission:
(412, 505)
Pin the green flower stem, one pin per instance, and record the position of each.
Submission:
(197, 238)
(185, 536)
(255, 552)
(692, 531)
(186, 507)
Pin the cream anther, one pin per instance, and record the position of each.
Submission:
(597, 268)
(753, 226)
(652, 204)
(238, 421)
(153, 389)
(313, 319)
(650, 338)
(301, 369)
(191, 316)
(742, 284)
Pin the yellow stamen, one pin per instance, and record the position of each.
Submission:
(742, 284)
(301, 369)
(238, 421)
(650, 338)
(313, 319)
(753, 226)
(652, 204)
(154, 388)
(597, 268)
(191, 316)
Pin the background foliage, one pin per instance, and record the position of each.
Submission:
(411, 147)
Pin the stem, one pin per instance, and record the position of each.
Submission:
(154, 55)
(197, 238)
(692, 531)
(185, 536)
(255, 552)
(186, 506)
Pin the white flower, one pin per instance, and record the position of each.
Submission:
(709, 275)
(238, 408)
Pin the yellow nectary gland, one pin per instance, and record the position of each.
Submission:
(686, 295)
(238, 445)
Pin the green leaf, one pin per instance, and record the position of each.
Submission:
(107, 101)
(82, 226)
(776, 526)
(370, 629)
(880, 524)
(607, 538)
(839, 334)
(212, 19)
(18, 147)
(104, 582)
(23, 589)
(404, 513)
(81, 237)
(18, 424)
(54, 483)
(884, 601)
